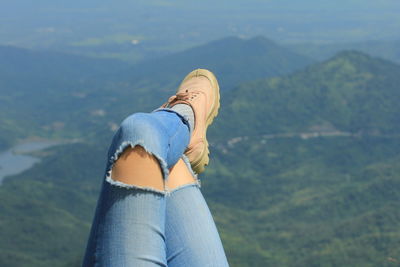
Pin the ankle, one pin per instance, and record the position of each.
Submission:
(186, 112)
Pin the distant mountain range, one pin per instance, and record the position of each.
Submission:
(38, 89)
(233, 60)
(389, 50)
(106, 28)
(21, 64)
(72, 85)
(304, 167)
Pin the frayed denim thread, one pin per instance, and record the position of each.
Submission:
(167, 191)
(189, 166)
(163, 166)
(115, 157)
(163, 162)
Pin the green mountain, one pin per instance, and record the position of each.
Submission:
(54, 66)
(315, 180)
(233, 60)
(304, 172)
(46, 211)
(87, 88)
(39, 91)
(350, 92)
(324, 201)
(389, 50)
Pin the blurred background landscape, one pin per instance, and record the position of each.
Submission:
(305, 162)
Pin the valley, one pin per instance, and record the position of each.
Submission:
(304, 166)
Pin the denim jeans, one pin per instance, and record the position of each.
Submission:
(142, 226)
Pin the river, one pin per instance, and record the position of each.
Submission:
(14, 160)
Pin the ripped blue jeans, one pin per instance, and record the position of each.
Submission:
(142, 226)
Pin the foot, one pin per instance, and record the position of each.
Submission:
(200, 91)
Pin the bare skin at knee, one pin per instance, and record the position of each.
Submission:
(179, 175)
(137, 167)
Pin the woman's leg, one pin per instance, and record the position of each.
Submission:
(192, 238)
(130, 220)
(129, 224)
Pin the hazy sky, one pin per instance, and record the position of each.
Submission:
(50, 23)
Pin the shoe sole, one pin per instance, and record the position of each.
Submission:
(198, 165)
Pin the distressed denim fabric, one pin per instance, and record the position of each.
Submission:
(143, 226)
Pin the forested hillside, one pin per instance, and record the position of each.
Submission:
(233, 59)
(41, 91)
(350, 92)
(84, 94)
(304, 168)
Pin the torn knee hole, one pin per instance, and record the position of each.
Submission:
(134, 166)
(134, 187)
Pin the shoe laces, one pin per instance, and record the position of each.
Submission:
(184, 96)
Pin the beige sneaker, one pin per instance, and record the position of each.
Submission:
(199, 90)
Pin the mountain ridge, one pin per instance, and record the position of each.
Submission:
(388, 50)
(276, 201)
(352, 92)
(232, 59)
(71, 85)
(47, 64)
